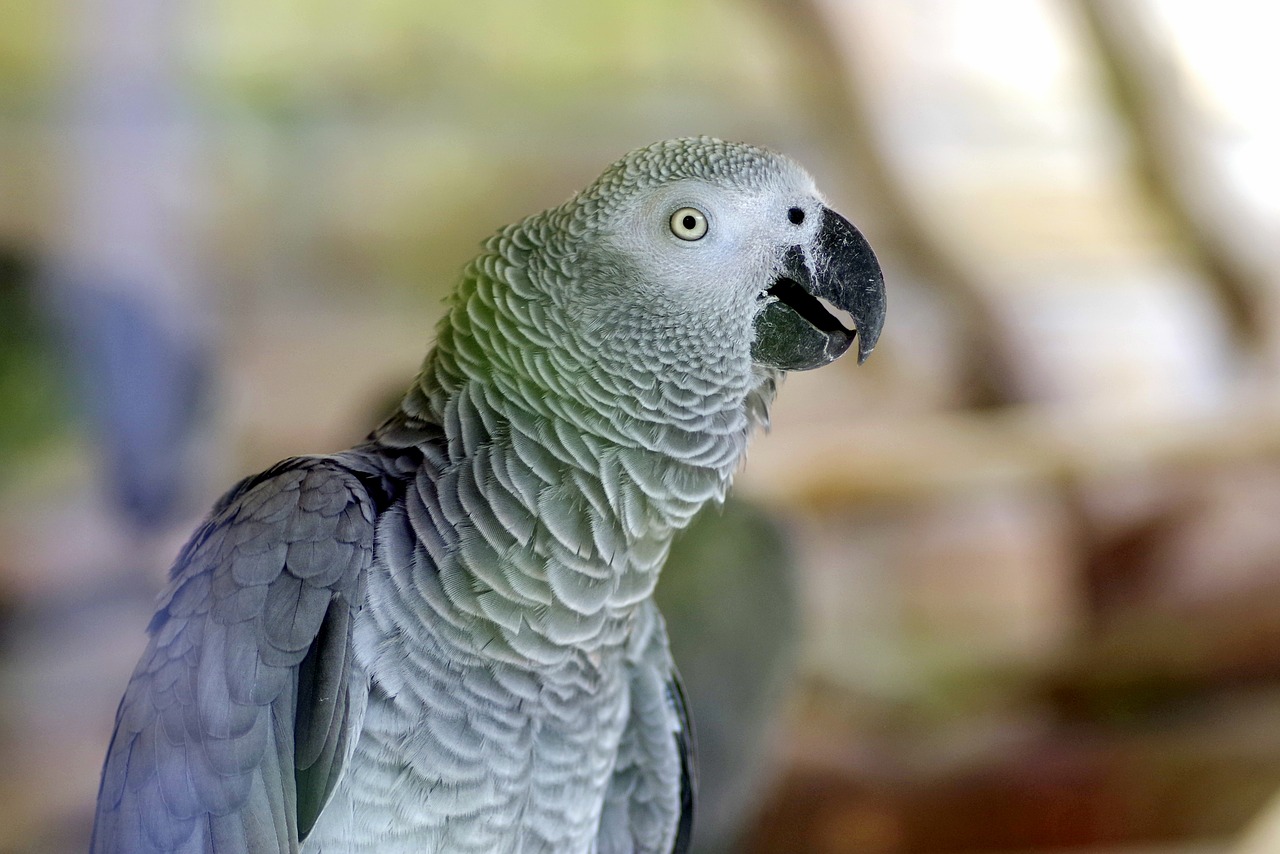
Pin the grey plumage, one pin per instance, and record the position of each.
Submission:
(444, 639)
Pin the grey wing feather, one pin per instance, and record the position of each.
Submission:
(687, 746)
(236, 722)
(649, 804)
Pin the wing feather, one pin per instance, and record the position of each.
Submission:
(686, 745)
(649, 805)
(235, 725)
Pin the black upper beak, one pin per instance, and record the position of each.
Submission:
(823, 298)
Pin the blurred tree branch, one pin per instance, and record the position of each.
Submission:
(958, 452)
(838, 93)
(1174, 166)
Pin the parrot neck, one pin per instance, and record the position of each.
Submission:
(554, 489)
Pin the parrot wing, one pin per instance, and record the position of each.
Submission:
(236, 724)
(654, 781)
(687, 750)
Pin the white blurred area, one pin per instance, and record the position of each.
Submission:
(1039, 617)
(995, 116)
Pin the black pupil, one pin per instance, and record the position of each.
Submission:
(795, 215)
(688, 222)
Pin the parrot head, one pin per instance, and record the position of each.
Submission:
(733, 245)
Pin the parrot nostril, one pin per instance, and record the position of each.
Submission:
(796, 215)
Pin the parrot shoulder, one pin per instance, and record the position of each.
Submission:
(237, 720)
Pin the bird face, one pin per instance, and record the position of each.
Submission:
(762, 263)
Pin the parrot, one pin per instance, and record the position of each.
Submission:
(444, 639)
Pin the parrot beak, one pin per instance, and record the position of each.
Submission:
(822, 299)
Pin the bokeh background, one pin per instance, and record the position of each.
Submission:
(1012, 586)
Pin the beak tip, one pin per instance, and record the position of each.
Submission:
(869, 331)
(865, 349)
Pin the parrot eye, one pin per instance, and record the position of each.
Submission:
(689, 224)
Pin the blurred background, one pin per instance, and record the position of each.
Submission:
(1012, 586)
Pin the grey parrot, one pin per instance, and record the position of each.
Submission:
(444, 639)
